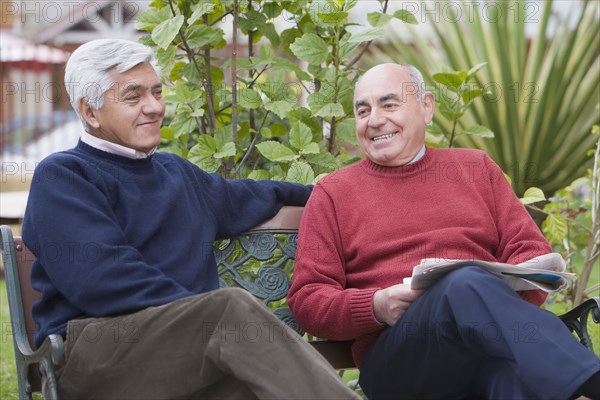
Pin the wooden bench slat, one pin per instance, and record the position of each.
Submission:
(287, 219)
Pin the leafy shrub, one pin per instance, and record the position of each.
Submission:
(259, 114)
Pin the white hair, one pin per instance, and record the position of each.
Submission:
(417, 78)
(87, 74)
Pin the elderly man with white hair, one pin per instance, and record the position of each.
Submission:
(122, 236)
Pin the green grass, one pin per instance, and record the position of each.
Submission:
(8, 375)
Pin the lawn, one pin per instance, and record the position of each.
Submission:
(8, 376)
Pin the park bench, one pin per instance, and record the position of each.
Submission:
(259, 261)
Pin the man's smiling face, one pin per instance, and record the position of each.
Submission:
(390, 118)
(132, 112)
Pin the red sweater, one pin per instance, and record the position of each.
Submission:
(365, 227)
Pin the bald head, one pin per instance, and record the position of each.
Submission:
(399, 72)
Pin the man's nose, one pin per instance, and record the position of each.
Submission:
(376, 117)
(153, 105)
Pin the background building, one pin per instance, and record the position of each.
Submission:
(36, 119)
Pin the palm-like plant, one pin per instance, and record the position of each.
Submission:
(541, 91)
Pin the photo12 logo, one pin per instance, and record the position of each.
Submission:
(468, 11)
(68, 11)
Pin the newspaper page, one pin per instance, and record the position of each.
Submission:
(544, 272)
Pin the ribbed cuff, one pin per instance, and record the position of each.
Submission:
(361, 307)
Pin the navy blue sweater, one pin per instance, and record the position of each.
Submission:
(112, 235)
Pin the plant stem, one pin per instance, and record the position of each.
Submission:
(253, 143)
(336, 63)
(190, 54)
(208, 86)
(251, 72)
(453, 134)
(218, 20)
(593, 249)
(234, 115)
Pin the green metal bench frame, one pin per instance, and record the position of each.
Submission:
(259, 261)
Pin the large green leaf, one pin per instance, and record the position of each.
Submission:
(280, 107)
(199, 36)
(301, 172)
(311, 148)
(533, 195)
(326, 13)
(300, 135)
(331, 110)
(202, 154)
(479, 130)
(149, 19)
(450, 79)
(406, 16)
(276, 151)
(249, 98)
(166, 59)
(200, 9)
(165, 32)
(183, 123)
(368, 35)
(555, 227)
(310, 48)
(227, 150)
(378, 18)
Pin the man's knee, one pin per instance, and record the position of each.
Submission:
(244, 317)
(467, 277)
(237, 302)
(467, 282)
(213, 305)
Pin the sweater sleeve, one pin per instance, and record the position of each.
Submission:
(71, 227)
(318, 297)
(519, 237)
(239, 205)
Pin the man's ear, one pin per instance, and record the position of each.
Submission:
(428, 106)
(88, 113)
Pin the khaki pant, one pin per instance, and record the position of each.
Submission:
(218, 345)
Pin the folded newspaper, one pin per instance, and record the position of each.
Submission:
(544, 272)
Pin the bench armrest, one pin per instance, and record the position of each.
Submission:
(577, 319)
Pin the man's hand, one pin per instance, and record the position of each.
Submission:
(389, 304)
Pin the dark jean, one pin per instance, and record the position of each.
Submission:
(471, 336)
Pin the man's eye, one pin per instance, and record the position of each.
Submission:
(362, 112)
(132, 98)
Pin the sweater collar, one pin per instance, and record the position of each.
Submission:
(108, 156)
(417, 165)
